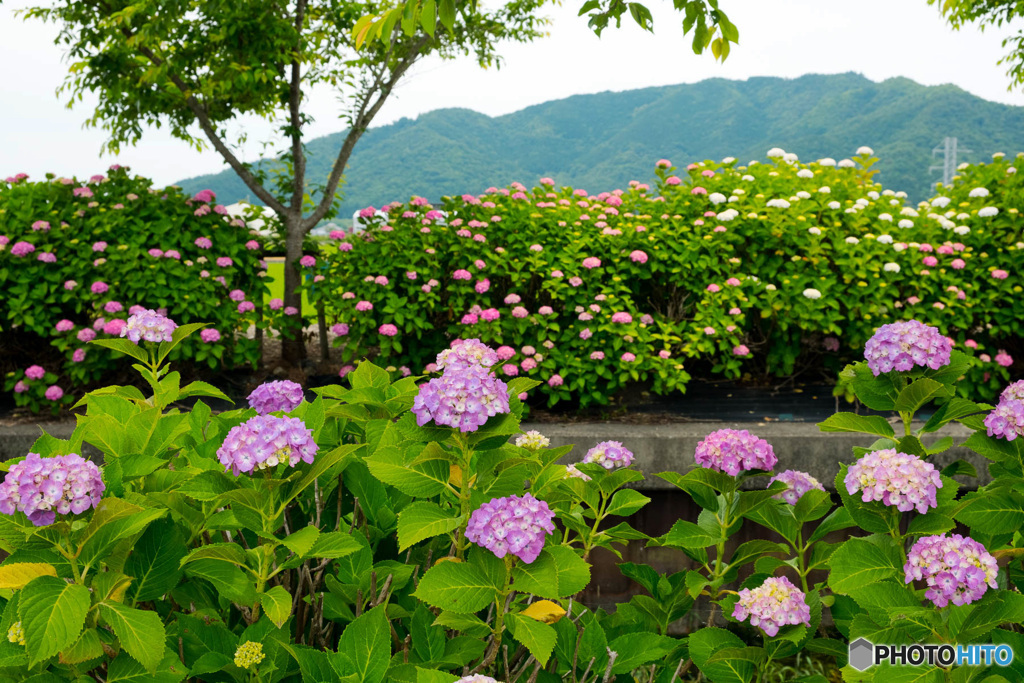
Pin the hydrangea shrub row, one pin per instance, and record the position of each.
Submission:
(79, 256)
(391, 531)
(716, 268)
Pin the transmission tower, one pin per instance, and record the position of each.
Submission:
(948, 149)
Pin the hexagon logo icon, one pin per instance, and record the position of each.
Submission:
(861, 654)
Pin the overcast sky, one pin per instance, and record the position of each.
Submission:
(878, 38)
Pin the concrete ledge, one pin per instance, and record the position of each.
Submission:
(798, 446)
(16, 439)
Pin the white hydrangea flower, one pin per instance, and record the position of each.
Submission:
(805, 173)
(776, 152)
(899, 246)
(862, 202)
(814, 231)
(846, 163)
(733, 198)
(825, 189)
(728, 160)
(940, 202)
(961, 230)
(998, 155)
(885, 217)
(874, 195)
(740, 190)
(1011, 170)
(748, 178)
(770, 288)
(716, 198)
(906, 223)
(963, 167)
(827, 161)
(865, 150)
(803, 195)
(852, 209)
(812, 293)
(901, 194)
(790, 158)
(891, 267)
(895, 202)
(772, 173)
(834, 205)
(963, 216)
(885, 239)
(753, 162)
(727, 215)
(888, 193)
(946, 223)
(852, 240)
(752, 214)
(907, 211)
(978, 192)
(988, 212)
(778, 203)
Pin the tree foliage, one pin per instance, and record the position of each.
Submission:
(988, 14)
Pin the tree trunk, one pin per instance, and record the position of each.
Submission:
(293, 350)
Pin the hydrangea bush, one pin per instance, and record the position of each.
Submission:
(78, 257)
(391, 531)
(750, 270)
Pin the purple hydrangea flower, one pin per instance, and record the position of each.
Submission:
(477, 678)
(265, 441)
(44, 487)
(898, 479)
(149, 325)
(776, 602)
(733, 451)
(610, 455)
(462, 398)
(271, 397)
(956, 568)
(900, 346)
(1006, 420)
(512, 525)
(1013, 392)
(209, 335)
(798, 482)
(35, 372)
(467, 353)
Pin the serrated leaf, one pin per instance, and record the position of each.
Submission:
(539, 638)
(861, 424)
(557, 573)
(422, 520)
(277, 603)
(457, 587)
(545, 611)
(17, 575)
(140, 632)
(52, 614)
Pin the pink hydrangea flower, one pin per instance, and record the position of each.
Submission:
(291, 310)
(64, 326)
(776, 602)
(555, 381)
(307, 261)
(741, 350)
(622, 317)
(490, 314)
(246, 307)
(591, 262)
(86, 335)
(225, 262)
(733, 451)
(898, 479)
(1000, 274)
(637, 256)
(78, 356)
(713, 288)
(1004, 359)
(275, 304)
(364, 306)
(41, 225)
(22, 249)
(545, 310)
(388, 330)
(204, 242)
(209, 335)
(628, 357)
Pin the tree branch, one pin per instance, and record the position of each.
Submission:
(359, 126)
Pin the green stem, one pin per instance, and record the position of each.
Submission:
(599, 515)
(720, 547)
(466, 491)
(261, 580)
(801, 560)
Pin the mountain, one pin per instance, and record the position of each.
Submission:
(602, 141)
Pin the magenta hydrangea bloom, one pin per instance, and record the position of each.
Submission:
(610, 455)
(54, 393)
(64, 325)
(462, 398)
(266, 441)
(35, 372)
(898, 479)
(209, 335)
(469, 353)
(22, 249)
(798, 482)
(514, 525)
(98, 287)
(956, 568)
(388, 330)
(42, 488)
(149, 325)
(903, 345)
(776, 602)
(622, 317)
(733, 451)
(271, 397)
(477, 678)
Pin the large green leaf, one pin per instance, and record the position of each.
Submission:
(112, 521)
(625, 502)
(861, 424)
(423, 480)
(277, 603)
(998, 511)
(557, 573)
(154, 560)
(365, 646)
(226, 578)
(457, 587)
(140, 631)
(127, 670)
(422, 520)
(52, 614)
(919, 392)
(538, 637)
(860, 561)
(636, 649)
(705, 642)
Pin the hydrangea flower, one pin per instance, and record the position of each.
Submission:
(898, 479)
(271, 397)
(902, 345)
(249, 654)
(149, 325)
(1006, 421)
(733, 451)
(533, 440)
(264, 441)
(44, 487)
(35, 372)
(16, 634)
(462, 398)
(776, 602)
(479, 678)
(798, 482)
(467, 353)
(513, 525)
(610, 455)
(209, 335)
(956, 568)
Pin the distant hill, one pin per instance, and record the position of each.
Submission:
(601, 142)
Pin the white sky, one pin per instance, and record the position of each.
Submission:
(788, 38)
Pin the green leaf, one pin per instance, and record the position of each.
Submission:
(685, 534)
(705, 642)
(557, 573)
(626, 502)
(333, 545)
(52, 614)
(198, 388)
(425, 480)
(140, 631)
(302, 541)
(155, 559)
(113, 520)
(366, 646)
(918, 393)
(859, 561)
(127, 670)
(861, 424)
(124, 346)
(422, 520)
(226, 578)
(539, 638)
(446, 12)
(959, 468)
(277, 603)
(636, 649)
(457, 587)
(998, 511)
(428, 17)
